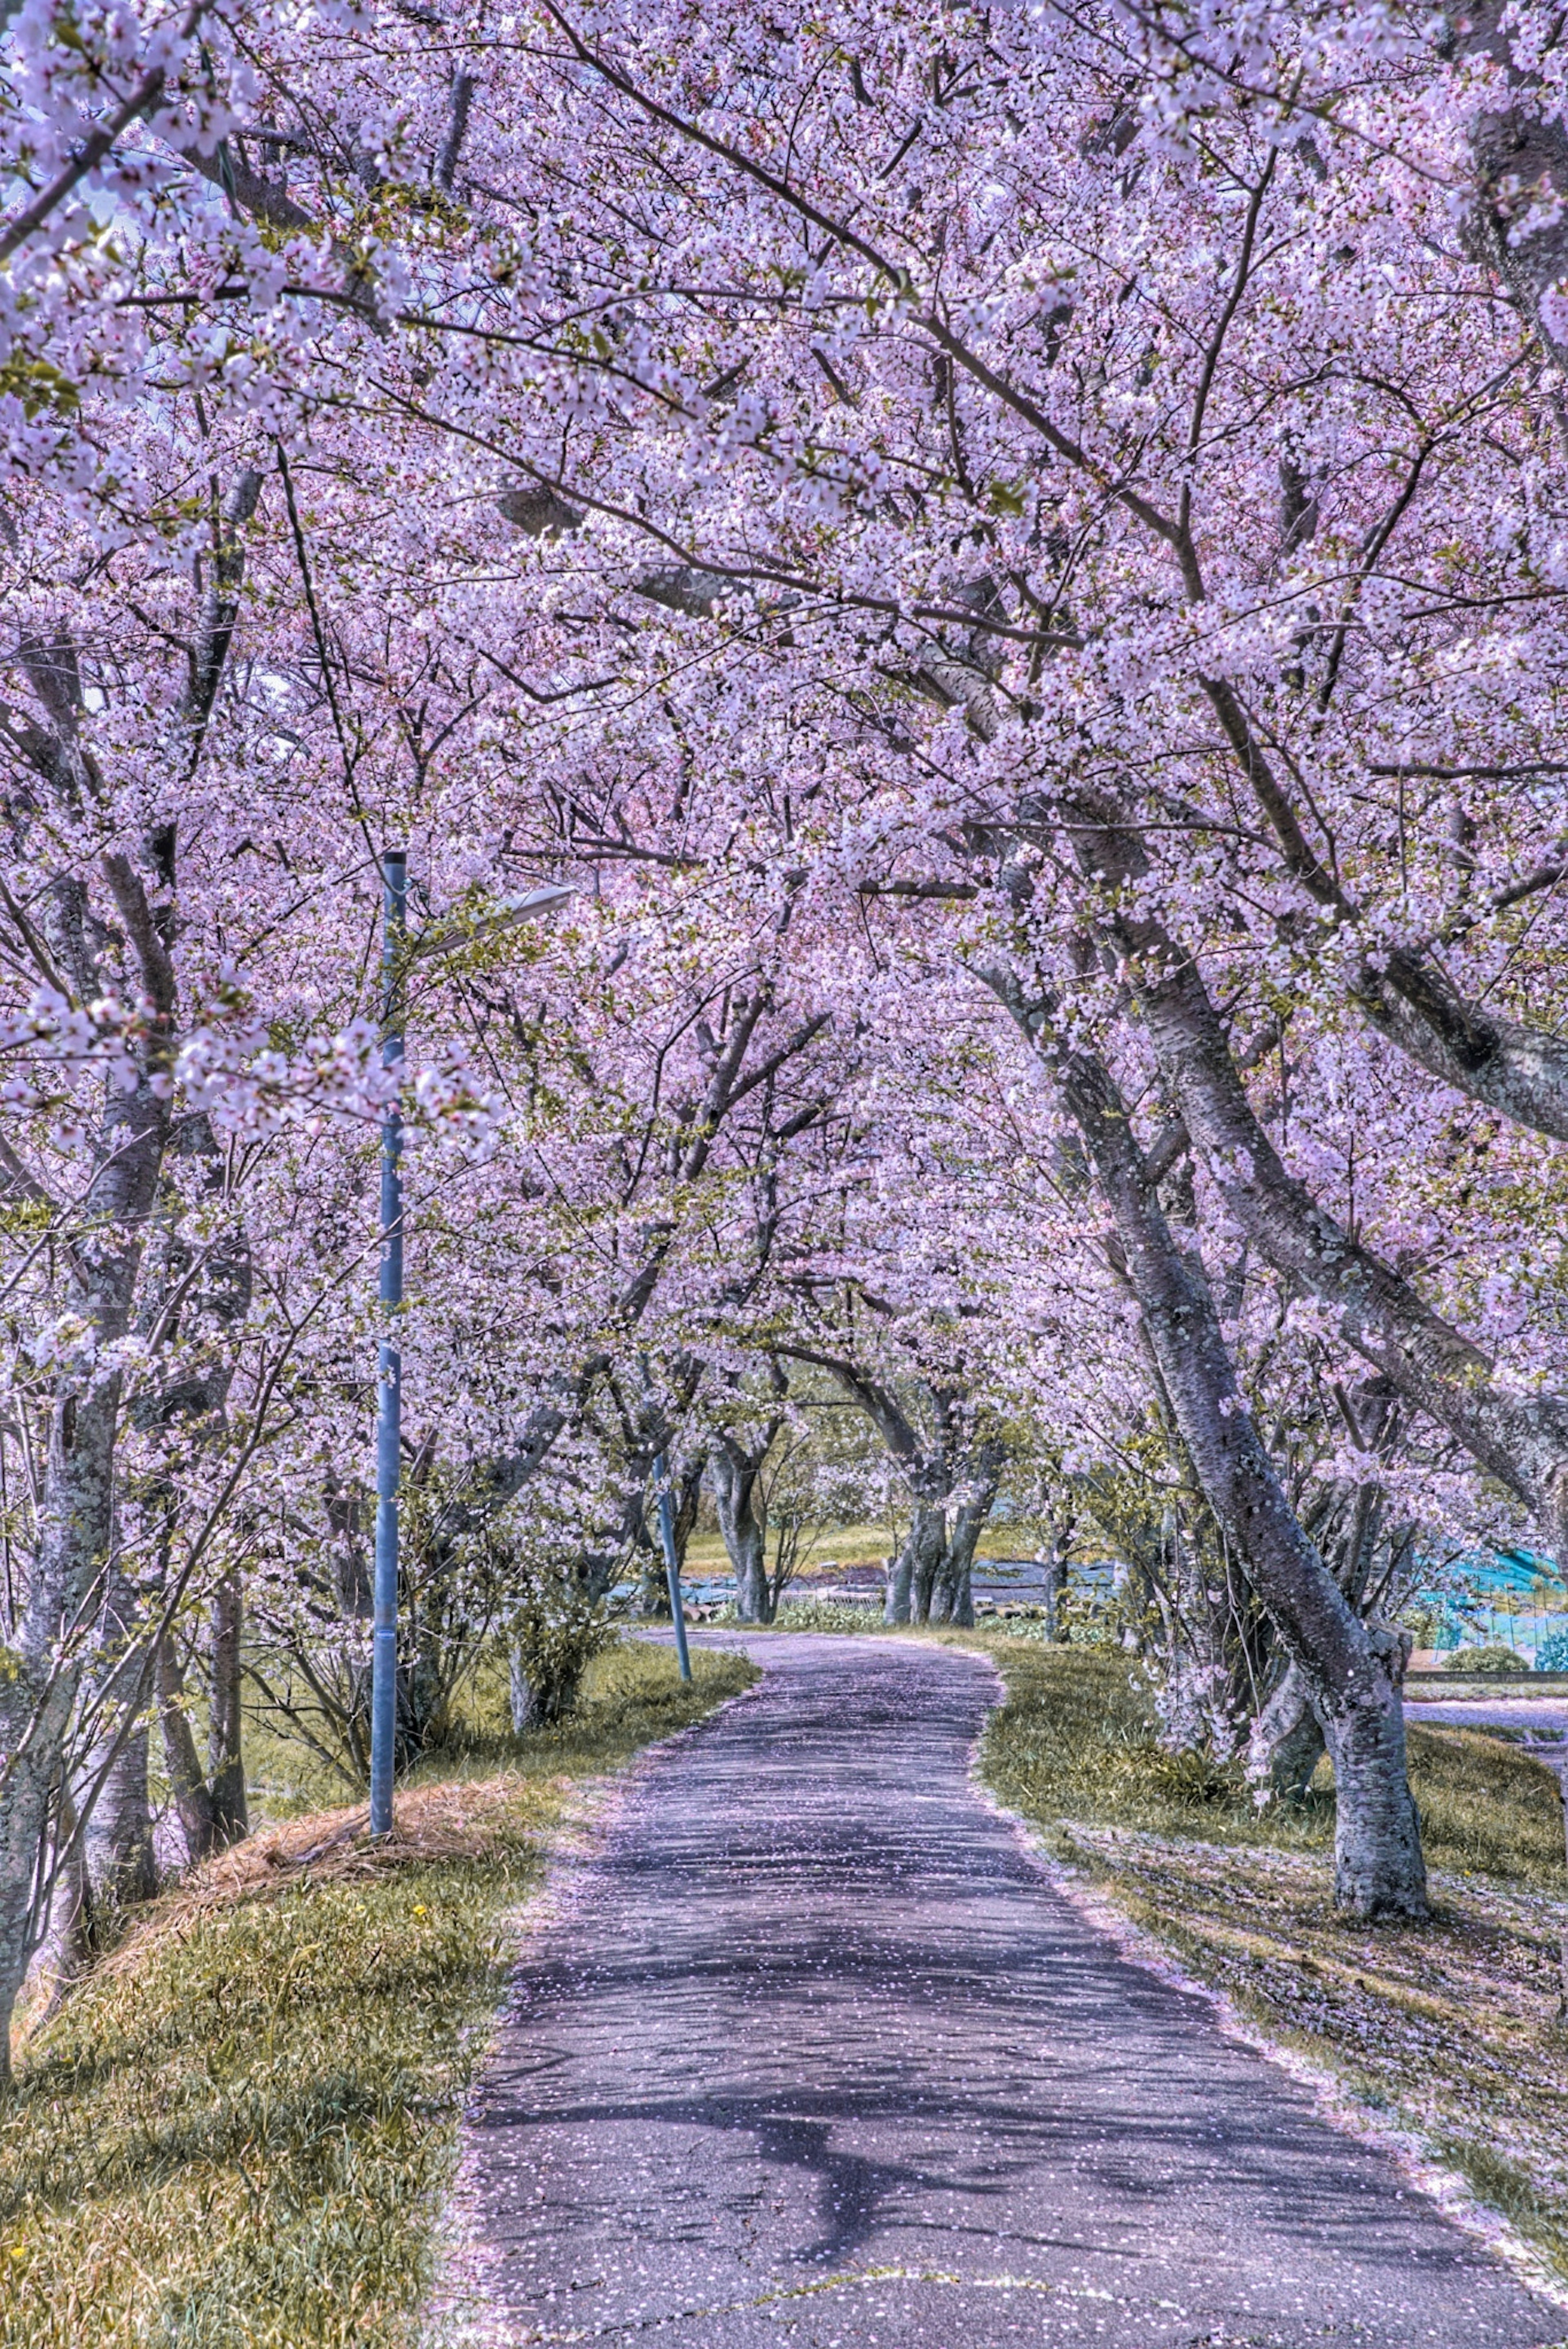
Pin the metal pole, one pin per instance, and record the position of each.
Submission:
(389, 1362)
(1562, 1953)
(673, 1567)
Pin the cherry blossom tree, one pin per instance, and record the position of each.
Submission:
(1194, 556)
(1012, 559)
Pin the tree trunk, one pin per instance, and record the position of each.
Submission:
(653, 1598)
(225, 1719)
(68, 1925)
(193, 1796)
(1287, 1740)
(120, 1866)
(911, 1575)
(953, 1598)
(1351, 1669)
(36, 1702)
(952, 1594)
(541, 1704)
(1379, 1870)
(76, 1506)
(1521, 1439)
(1052, 1592)
(914, 1577)
(212, 1803)
(1197, 1699)
(734, 1470)
(66, 1588)
(1054, 1561)
(1378, 1841)
(521, 1692)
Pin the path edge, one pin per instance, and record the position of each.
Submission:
(1450, 2193)
(457, 2312)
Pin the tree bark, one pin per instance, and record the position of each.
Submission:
(76, 1506)
(38, 1700)
(1377, 1842)
(915, 1572)
(76, 1519)
(924, 1577)
(225, 1719)
(193, 1796)
(734, 1469)
(1287, 1741)
(211, 1803)
(541, 1703)
(121, 1867)
(74, 1549)
(1052, 1592)
(520, 1691)
(1521, 1439)
(1351, 1670)
(1054, 1561)
(1516, 150)
(1522, 1072)
(952, 1597)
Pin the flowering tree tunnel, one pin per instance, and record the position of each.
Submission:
(1014, 564)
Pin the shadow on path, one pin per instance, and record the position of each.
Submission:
(816, 2054)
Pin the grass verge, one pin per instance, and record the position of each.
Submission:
(235, 2134)
(1451, 2031)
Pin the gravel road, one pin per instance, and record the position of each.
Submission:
(816, 2054)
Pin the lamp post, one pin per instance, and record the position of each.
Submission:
(397, 954)
(388, 1359)
(672, 1566)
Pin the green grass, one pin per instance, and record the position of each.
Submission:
(1075, 1742)
(1452, 2030)
(860, 1545)
(236, 2134)
(844, 1545)
(813, 1614)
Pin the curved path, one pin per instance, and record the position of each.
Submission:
(818, 2055)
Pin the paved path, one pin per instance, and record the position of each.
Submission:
(818, 2056)
(1541, 1716)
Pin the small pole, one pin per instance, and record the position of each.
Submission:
(388, 1360)
(672, 1566)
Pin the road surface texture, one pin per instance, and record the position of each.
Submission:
(815, 2055)
(1539, 1716)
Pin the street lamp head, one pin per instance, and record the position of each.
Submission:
(554, 894)
(509, 912)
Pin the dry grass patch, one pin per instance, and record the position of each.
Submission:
(237, 2132)
(476, 1819)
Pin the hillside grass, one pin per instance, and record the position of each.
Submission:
(1451, 2032)
(236, 2133)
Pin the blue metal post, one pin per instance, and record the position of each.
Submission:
(389, 1362)
(672, 1566)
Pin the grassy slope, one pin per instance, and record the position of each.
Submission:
(236, 2134)
(1452, 2030)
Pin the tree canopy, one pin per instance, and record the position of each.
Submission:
(1013, 561)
